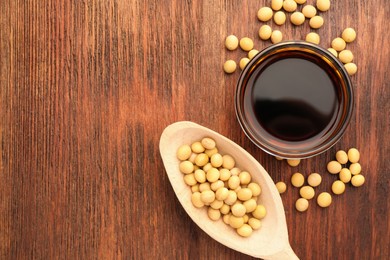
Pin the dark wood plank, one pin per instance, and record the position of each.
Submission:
(87, 88)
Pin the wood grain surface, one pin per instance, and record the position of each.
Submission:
(87, 88)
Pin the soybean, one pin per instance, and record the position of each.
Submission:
(338, 44)
(228, 162)
(333, 51)
(184, 152)
(348, 35)
(207, 196)
(276, 36)
(355, 168)
(264, 14)
(301, 204)
(279, 17)
(186, 167)
(351, 68)
(259, 212)
(229, 66)
(324, 199)
(277, 4)
(244, 194)
(358, 180)
(246, 44)
(214, 214)
(265, 32)
(309, 11)
(345, 175)
(297, 18)
(254, 223)
(252, 53)
(307, 192)
(208, 143)
(314, 179)
(255, 188)
(342, 157)
(316, 22)
(334, 167)
(293, 162)
(323, 5)
(281, 186)
(346, 56)
(243, 62)
(289, 5)
(338, 187)
(196, 200)
(353, 155)
(236, 222)
(222, 193)
(245, 178)
(245, 230)
(216, 160)
(313, 38)
(297, 179)
(238, 210)
(231, 42)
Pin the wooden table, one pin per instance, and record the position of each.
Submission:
(87, 88)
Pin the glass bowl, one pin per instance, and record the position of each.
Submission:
(258, 132)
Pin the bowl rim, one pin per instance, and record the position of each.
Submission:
(345, 111)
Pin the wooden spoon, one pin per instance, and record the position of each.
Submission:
(271, 240)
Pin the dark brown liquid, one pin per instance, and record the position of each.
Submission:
(293, 97)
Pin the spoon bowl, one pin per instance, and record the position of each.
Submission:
(271, 240)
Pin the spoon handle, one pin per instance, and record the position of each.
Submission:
(286, 254)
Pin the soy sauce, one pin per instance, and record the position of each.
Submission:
(293, 97)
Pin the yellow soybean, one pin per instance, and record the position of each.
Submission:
(323, 5)
(231, 42)
(297, 179)
(293, 162)
(301, 204)
(281, 186)
(324, 199)
(314, 179)
(279, 17)
(297, 18)
(355, 168)
(184, 152)
(313, 38)
(265, 32)
(348, 35)
(342, 157)
(252, 53)
(229, 66)
(316, 22)
(358, 180)
(259, 212)
(245, 230)
(186, 167)
(346, 56)
(243, 62)
(264, 14)
(334, 167)
(307, 192)
(309, 11)
(345, 175)
(351, 68)
(276, 4)
(289, 5)
(338, 187)
(353, 155)
(276, 36)
(338, 44)
(246, 44)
